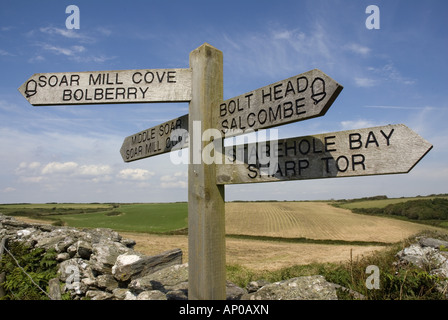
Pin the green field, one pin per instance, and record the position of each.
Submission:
(140, 217)
(165, 217)
(379, 203)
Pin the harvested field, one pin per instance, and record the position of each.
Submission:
(255, 254)
(314, 220)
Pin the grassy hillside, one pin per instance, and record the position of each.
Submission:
(139, 217)
(431, 210)
(296, 220)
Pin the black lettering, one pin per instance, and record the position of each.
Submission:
(222, 111)
(352, 140)
(248, 118)
(289, 88)
(293, 147)
(93, 81)
(132, 91)
(152, 77)
(307, 146)
(109, 93)
(264, 95)
(87, 96)
(371, 139)
(225, 125)
(78, 94)
(387, 136)
(98, 94)
(314, 147)
(253, 169)
(67, 95)
(303, 164)
(231, 110)
(116, 79)
(74, 78)
(42, 81)
(341, 169)
(143, 92)
(287, 111)
(248, 99)
(360, 162)
(54, 82)
(160, 78)
(305, 86)
(233, 124)
(133, 78)
(277, 93)
(107, 79)
(63, 80)
(265, 116)
(241, 125)
(327, 166)
(329, 143)
(120, 92)
(300, 106)
(171, 77)
(290, 168)
(238, 105)
(272, 116)
(278, 151)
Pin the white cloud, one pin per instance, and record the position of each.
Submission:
(358, 49)
(135, 174)
(71, 51)
(36, 179)
(8, 189)
(5, 53)
(365, 82)
(389, 72)
(94, 170)
(58, 167)
(174, 185)
(349, 125)
(174, 181)
(66, 33)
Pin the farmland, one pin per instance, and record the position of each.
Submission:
(260, 235)
(314, 220)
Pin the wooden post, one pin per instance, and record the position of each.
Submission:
(206, 213)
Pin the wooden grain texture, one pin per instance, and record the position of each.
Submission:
(170, 135)
(105, 87)
(206, 218)
(370, 151)
(305, 96)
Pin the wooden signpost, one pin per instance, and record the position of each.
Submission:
(372, 151)
(305, 96)
(156, 140)
(104, 87)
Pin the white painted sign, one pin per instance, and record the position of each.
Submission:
(370, 151)
(104, 87)
(301, 97)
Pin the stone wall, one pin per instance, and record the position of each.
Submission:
(100, 264)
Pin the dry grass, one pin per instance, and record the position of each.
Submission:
(255, 254)
(314, 220)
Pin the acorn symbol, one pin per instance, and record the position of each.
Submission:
(31, 88)
(318, 90)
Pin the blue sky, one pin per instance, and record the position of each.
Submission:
(396, 74)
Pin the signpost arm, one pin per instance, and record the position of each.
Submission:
(206, 213)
